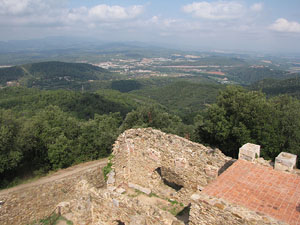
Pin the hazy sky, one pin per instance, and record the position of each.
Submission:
(270, 25)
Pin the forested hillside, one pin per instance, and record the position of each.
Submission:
(47, 130)
(183, 98)
(54, 75)
(81, 105)
(273, 87)
(43, 130)
(249, 75)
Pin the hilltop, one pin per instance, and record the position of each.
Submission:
(151, 178)
(53, 75)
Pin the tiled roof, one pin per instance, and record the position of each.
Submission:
(261, 189)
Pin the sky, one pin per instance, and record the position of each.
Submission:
(247, 25)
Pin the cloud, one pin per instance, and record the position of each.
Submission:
(56, 13)
(13, 6)
(283, 25)
(27, 7)
(215, 10)
(106, 12)
(257, 7)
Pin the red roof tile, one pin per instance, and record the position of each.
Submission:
(261, 189)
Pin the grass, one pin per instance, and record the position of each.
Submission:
(173, 202)
(17, 181)
(177, 206)
(107, 169)
(53, 219)
(137, 193)
(69, 222)
(174, 211)
(153, 195)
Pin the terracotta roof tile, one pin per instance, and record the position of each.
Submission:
(261, 189)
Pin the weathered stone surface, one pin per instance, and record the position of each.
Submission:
(140, 188)
(285, 161)
(209, 210)
(249, 152)
(195, 197)
(101, 206)
(111, 177)
(63, 208)
(211, 171)
(38, 202)
(120, 190)
(1, 203)
(153, 163)
(152, 159)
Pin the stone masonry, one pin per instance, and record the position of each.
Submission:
(285, 161)
(39, 201)
(249, 152)
(156, 175)
(150, 159)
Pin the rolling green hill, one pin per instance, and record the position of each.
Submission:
(183, 97)
(249, 75)
(28, 101)
(54, 75)
(273, 87)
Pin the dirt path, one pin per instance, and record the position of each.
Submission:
(57, 175)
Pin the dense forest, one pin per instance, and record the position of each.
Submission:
(43, 130)
(273, 87)
(183, 98)
(240, 116)
(62, 128)
(249, 75)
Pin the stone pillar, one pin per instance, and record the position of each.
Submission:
(249, 152)
(285, 161)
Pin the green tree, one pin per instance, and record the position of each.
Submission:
(60, 152)
(43, 137)
(238, 117)
(97, 136)
(152, 116)
(288, 110)
(10, 152)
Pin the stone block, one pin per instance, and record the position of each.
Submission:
(115, 202)
(195, 197)
(211, 171)
(120, 190)
(249, 152)
(285, 161)
(140, 188)
(111, 177)
(63, 208)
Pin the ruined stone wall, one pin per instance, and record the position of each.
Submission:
(37, 202)
(138, 194)
(206, 210)
(106, 207)
(139, 153)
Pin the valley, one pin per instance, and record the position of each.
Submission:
(59, 114)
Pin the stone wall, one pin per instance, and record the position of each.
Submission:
(108, 207)
(206, 210)
(37, 202)
(150, 159)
